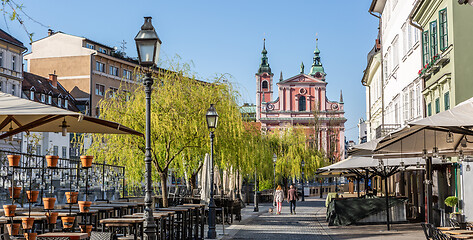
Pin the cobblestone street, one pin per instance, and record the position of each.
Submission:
(309, 223)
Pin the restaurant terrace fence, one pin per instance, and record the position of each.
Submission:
(105, 181)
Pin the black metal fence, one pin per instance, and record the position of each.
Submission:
(104, 181)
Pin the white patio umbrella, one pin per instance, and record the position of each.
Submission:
(19, 115)
(205, 180)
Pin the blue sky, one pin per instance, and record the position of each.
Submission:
(227, 37)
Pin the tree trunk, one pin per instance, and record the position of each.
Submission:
(192, 181)
(164, 186)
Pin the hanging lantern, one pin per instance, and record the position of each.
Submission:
(435, 152)
(449, 137)
(64, 127)
(460, 155)
(424, 153)
(444, 159)
(402, 166)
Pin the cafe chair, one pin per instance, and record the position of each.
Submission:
(428, 231)
(101, 235)
(5, 236)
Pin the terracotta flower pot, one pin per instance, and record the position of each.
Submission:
(13, 229)
(16, 192)
(52, 217)
(86, 161)
(85, 228)
(14, 160)
(30, 236)
(71, 197)
(84, 206)
(32, 196)
(9, 210)
(52, 161)
(27, 222)
(49, 203)
(68, 222)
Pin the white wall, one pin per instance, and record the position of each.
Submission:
(467, 191)
(402, 60)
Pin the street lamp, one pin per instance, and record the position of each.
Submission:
(148, 45)
(275, 158)
(212, 120)
(303, 164)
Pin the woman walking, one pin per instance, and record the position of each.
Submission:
(279, 198)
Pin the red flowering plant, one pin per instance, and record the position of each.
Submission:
(429, 64)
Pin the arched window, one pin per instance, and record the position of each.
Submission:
(302, 103)
(264, 85)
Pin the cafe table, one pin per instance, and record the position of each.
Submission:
(70, 235)
(199, 221)
(462, 236)
(184, 219)
(3, 221)
(458, 232)
(41, 219)
(159, 218)
(135, 223)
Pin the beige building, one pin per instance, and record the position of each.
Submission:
(11, 68)
(85, 68)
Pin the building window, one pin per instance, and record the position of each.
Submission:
(433, 39)
(443, 31)
(406, 106)
(395, 53)
(437, 105)
(264, 85)
(301, 103)
(59, 102)
(396, 113)
(113, 92)
(425, 48)
(38, 149)
(127, 95)
(43, 98)
(1, 86)
(446, 99)
(103, 50)
(100, 66)
(55, 150)
(99, 89)
(64, 152)
(13, 66)
(405, 38)
(412, 103)
(65, 103)
(126, 74)
(88, 45)
(32, 95)
(50, 99)
(13, 89)
(1, 59)
(419, 101)
(429, 109)
(113, 71)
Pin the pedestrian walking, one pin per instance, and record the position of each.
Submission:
(279, 198)
(292, 197)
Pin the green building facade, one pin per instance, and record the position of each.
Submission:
(447, 52)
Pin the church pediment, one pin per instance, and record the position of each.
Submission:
(301, 79)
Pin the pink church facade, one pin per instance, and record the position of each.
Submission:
(299, 99)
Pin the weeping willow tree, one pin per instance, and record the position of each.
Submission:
(179, 134)
(291, 147)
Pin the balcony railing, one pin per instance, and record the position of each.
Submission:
(383, 130)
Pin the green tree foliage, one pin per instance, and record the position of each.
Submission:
(179, 134)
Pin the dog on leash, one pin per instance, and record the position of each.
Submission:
(271, 210)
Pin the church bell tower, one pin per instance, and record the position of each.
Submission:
(264, 83)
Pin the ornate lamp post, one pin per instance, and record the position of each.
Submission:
(148, 45)
(275, 158)
(303, 164)
(212, 120)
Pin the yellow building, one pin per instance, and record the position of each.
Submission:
(86, 69)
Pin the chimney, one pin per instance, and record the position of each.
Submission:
(53, 79)
(50, 32)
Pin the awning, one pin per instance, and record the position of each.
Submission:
(19, 115)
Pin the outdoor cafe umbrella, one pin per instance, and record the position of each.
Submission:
(445, 133)
(19, 115)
